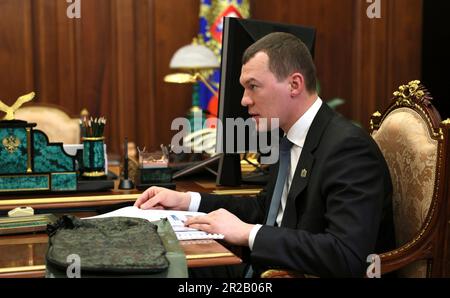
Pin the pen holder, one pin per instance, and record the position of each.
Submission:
(93, 156)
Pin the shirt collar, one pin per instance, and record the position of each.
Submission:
(297, 133)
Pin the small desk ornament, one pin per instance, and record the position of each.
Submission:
(154, 169)
(93, 147)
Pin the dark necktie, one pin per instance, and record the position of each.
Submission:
(283, 172)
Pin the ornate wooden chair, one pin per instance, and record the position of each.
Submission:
(415, 144)
(54, 121)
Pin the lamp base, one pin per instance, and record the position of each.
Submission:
(126, 184)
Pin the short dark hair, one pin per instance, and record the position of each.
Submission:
(287, 54)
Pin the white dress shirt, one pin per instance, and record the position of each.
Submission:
(297, 135)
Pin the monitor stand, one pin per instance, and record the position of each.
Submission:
(226, 168)
(229, 172)
(209, 164)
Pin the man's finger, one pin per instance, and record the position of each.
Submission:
(204, 219)
(202, 227)
(142, 198)
(145, 196)
(151, 202)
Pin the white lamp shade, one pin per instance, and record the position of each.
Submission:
(194, 56)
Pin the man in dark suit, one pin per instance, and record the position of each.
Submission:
(334, 205)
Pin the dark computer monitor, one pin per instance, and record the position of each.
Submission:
(238, 35)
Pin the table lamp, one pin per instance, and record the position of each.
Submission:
(194, 61)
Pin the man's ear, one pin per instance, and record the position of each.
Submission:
(297, 84)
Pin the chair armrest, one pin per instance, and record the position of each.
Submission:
(274, 273)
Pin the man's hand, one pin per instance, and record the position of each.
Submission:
(163, 198)
(222, 222)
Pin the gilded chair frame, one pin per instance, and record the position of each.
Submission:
(432, 241)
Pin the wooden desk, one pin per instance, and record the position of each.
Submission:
(24, 255)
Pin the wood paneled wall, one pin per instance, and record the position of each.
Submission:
(113, 59)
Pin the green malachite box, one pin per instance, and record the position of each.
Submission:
(28, 162)
(64, 181)
(154, 175)
(29, 182)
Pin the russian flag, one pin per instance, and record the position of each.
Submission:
(211, 15)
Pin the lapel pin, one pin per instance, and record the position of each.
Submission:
(303, 173)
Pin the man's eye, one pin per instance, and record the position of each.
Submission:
(252, 87)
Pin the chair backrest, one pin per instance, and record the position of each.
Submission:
(415, 144)
(53, 121)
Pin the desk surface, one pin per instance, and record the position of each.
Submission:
(24, 255)
(89, 199)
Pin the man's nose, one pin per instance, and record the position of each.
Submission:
(246, 100)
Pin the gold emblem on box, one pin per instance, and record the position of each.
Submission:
(11, 144)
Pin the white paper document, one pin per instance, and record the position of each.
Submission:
(176, 219)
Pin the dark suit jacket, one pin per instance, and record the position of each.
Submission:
(336, 216)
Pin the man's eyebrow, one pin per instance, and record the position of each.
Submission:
(251, 80)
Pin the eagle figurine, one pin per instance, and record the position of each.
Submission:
(9, 110)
